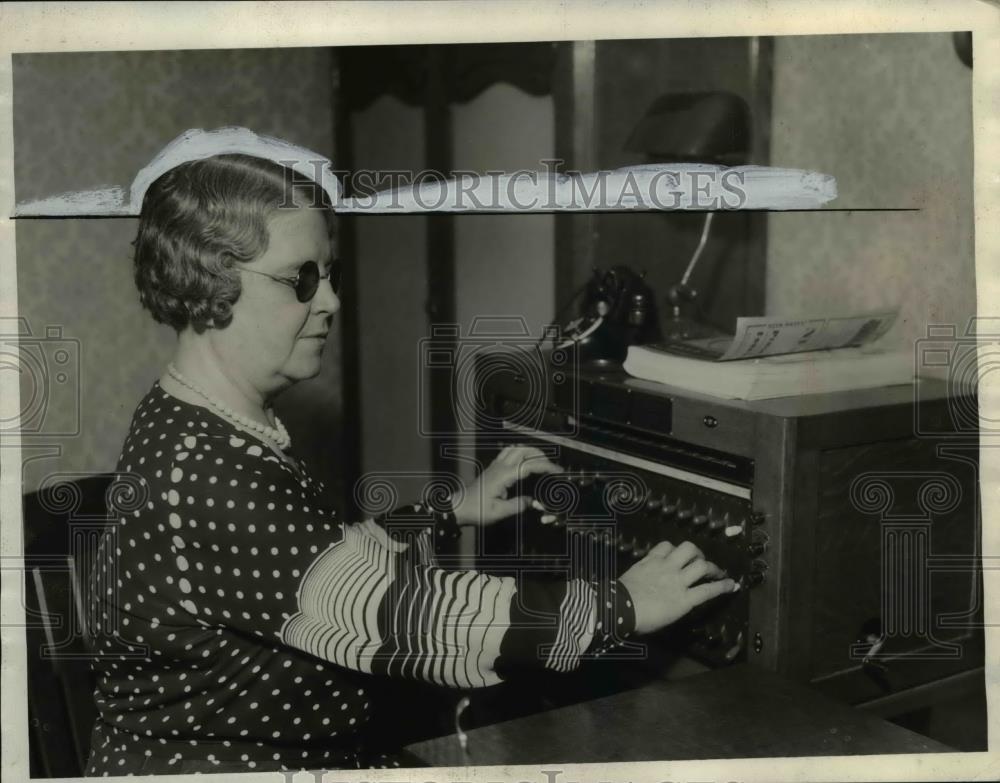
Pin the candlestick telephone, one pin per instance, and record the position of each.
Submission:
(618, 309)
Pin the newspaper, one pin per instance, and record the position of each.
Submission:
(769, 336)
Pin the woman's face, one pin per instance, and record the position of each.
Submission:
(273, 339)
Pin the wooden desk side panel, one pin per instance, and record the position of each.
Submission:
(775, 474)
(888, 517)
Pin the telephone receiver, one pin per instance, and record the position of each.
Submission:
(618, 310)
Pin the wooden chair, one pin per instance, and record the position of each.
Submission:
(62, 523)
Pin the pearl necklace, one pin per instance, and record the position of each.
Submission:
(277, 435)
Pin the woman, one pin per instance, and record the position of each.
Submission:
(241, 622)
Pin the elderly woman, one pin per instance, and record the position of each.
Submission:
(251, 620)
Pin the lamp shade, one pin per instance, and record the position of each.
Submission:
(705, 127)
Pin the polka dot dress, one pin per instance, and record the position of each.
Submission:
(238, 624)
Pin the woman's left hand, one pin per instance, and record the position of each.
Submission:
(486, 499)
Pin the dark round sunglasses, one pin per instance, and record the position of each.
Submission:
(306, 281)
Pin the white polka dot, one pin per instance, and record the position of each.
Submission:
(184, 585)
(182, 564)
(175, 521)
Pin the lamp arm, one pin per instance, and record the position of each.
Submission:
(701, 246)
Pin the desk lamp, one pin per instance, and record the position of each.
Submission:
(697, 127)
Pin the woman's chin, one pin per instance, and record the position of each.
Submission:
(304, 367)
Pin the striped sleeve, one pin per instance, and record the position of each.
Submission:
(234, 537)
(372, 603)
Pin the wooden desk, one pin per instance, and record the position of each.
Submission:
(739, 712)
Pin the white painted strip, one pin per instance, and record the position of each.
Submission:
(661, 187)
(193, 144)
(652, 186)
(636, 462)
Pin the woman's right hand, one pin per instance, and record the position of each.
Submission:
(664, 584)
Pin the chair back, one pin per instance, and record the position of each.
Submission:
(63, 522)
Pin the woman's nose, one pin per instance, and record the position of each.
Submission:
(326, 301)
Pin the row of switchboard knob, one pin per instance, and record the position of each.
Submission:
(686, 513)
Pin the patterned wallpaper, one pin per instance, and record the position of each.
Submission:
(891, 117)
(87, 119)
